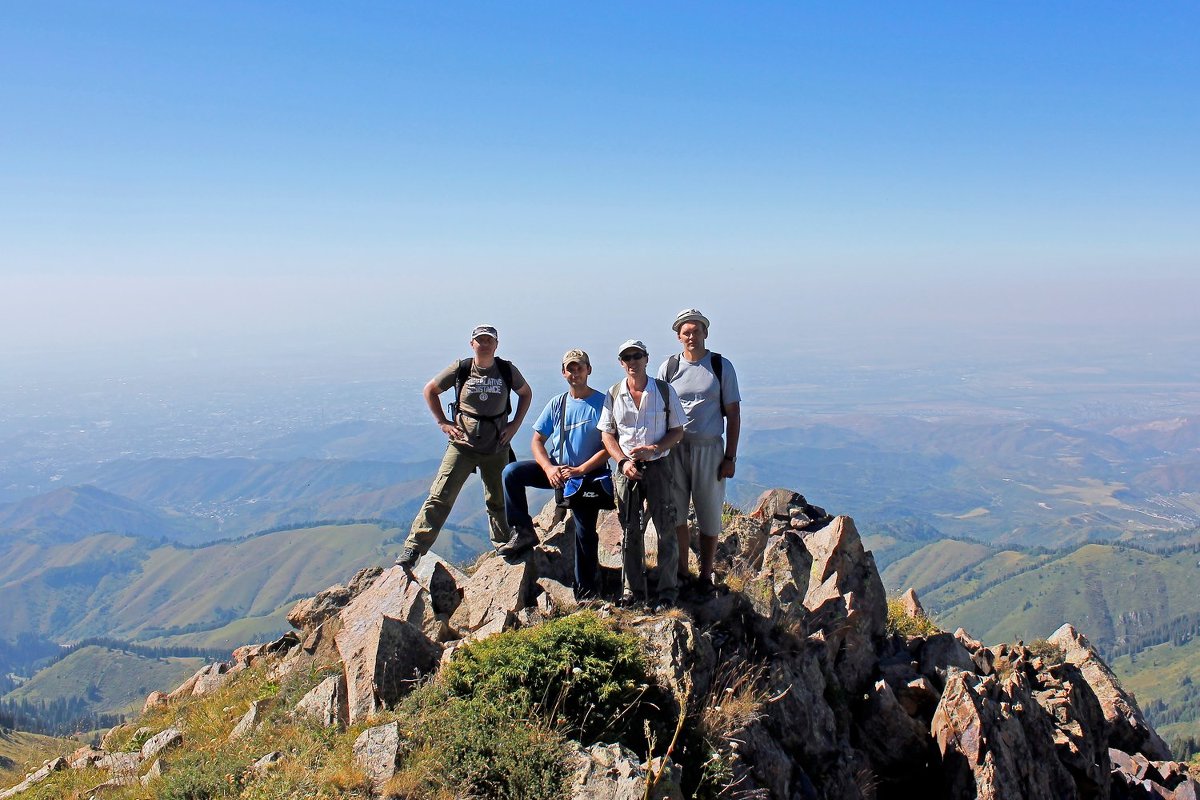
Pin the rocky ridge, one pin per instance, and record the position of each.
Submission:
(845, 701)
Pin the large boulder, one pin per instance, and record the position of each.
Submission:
(376, 751)
(1127, 727)
(382, 646)
(494, 594)
(325, 703)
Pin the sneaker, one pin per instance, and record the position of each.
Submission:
(522, 539)
(408, 557)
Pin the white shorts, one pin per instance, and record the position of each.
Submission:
(696, 465)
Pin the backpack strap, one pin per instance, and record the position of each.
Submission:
(717, 368)
(460, 378)
(464, 371)
(664, 393)
(562, 430)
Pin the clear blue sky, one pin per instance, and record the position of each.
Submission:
(190, 173)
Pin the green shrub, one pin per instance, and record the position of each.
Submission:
(899, 621)
(575, 671)
(476, 748)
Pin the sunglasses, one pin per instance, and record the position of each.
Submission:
(631, 356)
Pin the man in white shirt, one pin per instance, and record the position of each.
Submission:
(641, 421)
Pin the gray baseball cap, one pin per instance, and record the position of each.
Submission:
(632, 344)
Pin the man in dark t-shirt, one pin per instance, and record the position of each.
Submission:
(478, 437)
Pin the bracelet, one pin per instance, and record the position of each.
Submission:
(621, 464)
(731, 459)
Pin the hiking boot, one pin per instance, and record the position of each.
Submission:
(408, 557)
(522, 539)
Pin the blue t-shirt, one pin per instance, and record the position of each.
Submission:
(582, 435)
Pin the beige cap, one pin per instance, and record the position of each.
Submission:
(575, 354)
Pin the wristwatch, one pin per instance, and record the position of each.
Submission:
(731, 459)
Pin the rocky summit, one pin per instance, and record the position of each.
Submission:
(796, 679)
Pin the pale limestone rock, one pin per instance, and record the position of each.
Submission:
(248, 722)
(326, 703)
(84, 757)
(381, 643)
(157, 770)
(497, 590)
(263, 765)
(35, 777)
(171, 737)
(911, 605)
(611, 772)
(153, 700)
(376, 751)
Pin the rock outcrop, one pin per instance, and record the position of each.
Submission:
(796, 680)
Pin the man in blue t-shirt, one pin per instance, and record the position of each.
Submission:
(566, 447)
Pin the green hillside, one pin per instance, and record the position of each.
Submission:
(1140, 609)
(124, 588)
(112, 681)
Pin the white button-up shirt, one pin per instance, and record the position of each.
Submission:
(644, 423)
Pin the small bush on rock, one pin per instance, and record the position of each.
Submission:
(576, 671)
(900, 622)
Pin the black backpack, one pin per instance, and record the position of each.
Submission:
(460, 378)
(673, 373)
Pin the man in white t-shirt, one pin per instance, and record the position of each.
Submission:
(708, 389)
(641, 421)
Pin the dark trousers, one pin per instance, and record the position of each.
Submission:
(520, 475)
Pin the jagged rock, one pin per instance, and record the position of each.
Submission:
(497, 590)
(263, 765)
(312, 611)
(171, 737)
(381, 644)
(911, 605)
(554, 557)
(758, 762)
(555, 596)
(846, 600)
(940, 653)
(157, 770)
(610, 772)
(788, 563)
(1128, 729)
(248, 722)
(376, 751)
(996, 742)
(84, 757)
(680, 659)
(894, 742)
(153, 700)
(207, 680)
(326, 703)
(1079, 735)
(35, 777)
(800, 718)
(442, 580)
(764, 602)
(248, 655)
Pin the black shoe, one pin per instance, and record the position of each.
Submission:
(522, 539)
(408, 557)
(627, 600)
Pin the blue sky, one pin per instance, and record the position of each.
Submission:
(359, 174)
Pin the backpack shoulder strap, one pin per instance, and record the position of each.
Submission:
(460, 378)
(673, 367)
(717, 368)
(506, 375)
(664, 392)
(562, 429)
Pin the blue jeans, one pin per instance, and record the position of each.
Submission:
(520, 475)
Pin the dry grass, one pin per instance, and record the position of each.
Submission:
(735, 700)
(899, 621)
